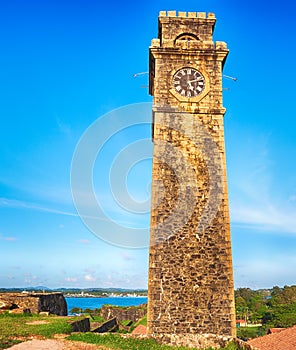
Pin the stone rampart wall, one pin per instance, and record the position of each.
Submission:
(82, 325)
(127, 313)
(109, 326)
(54, 303)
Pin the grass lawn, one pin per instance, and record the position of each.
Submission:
(250, 332)
(116, 342)
(15, 327)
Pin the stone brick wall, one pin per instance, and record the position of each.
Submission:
(190, 288)
(109, 326)
(243, 345)
(202, 341)
(53, 303)
(82, 325)
(166, 57)
(133, 313)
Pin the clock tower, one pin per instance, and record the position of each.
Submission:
(190, 287)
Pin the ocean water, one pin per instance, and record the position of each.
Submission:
(96, 303)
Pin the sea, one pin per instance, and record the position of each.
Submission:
(96, 303)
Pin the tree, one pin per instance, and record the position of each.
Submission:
(240, 307)
(246, 293)
(282, 316)
(75, 310)
(276, 291)
(88, 311)
(283, 296)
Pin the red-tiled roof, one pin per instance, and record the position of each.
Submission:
(284, 340)
(275, 330)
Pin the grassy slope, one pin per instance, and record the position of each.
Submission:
(15, 328)
(116, 342)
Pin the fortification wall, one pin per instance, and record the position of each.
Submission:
(127, 313)
(54, 303)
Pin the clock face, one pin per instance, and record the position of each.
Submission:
(188, 82)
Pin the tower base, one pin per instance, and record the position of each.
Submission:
(201, 341)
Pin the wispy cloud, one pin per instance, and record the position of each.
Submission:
(120, 220)
(102, 206)
(13, 203)
(259, 272)
(11, 277)
(10, 239)
(63, 127)
(84, 241)
(254, 201)
(30, 278)
(127, 257)
(90, 278)
(71, 279)
(266, 219)
(93, 213)
(35, 189)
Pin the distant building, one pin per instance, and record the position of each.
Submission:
(241, 323)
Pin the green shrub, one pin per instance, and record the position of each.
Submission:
(245, 333)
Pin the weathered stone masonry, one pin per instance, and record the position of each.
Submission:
(54, 303)
(131, 313)
(190, 288)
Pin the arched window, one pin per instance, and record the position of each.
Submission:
(185, 38)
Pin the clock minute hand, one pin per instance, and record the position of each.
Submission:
(193, 81)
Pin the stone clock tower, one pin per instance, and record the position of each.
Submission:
(190, 288)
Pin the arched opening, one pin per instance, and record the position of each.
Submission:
(185, 39)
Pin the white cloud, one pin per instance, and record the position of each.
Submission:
(127, 256)
(14, 203)
(29, 278)
(10, 239)
(258, 272)
(266, 217)
(255, 200)
(84, 241)
(102, 206)
(56, 194)
(63, 128)
(90, 278)
(71, 279)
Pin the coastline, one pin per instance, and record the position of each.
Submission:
(97, 302)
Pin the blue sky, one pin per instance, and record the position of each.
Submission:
(64, 64)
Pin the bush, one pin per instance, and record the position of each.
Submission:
(246, 333)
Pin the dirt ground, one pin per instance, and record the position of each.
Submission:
(55, 344)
